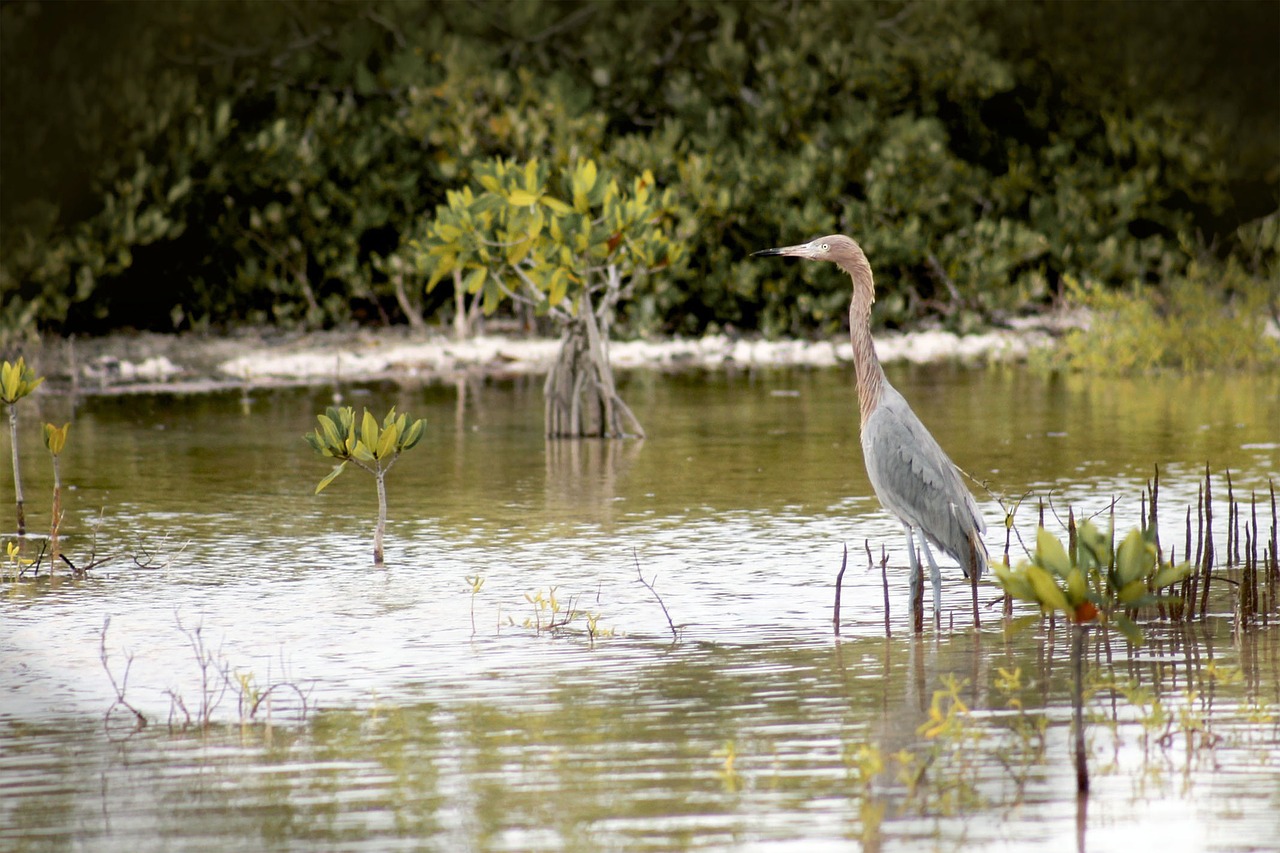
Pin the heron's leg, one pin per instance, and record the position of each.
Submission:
(935, 577)
(915, 577)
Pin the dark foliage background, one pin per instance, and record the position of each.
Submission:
(199, 165)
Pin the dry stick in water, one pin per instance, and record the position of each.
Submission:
(675, 635)
(844, 564)
(1253, 556)
(1233, 524)
(1273, 572)
(1195, 567)
(884, 580)
(1208, 542)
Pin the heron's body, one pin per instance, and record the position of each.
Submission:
(911, 474)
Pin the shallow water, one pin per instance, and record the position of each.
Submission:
(438, 718)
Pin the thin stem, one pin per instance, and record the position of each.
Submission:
(56, 523)
(17, 471)
(1078, 634)
(380, 475)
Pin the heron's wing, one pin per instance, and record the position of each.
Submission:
(916, 480)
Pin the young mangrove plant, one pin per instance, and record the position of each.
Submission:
(373, 447)
(17, 381)
(570, 244)
(1092, 583)
(55, 438)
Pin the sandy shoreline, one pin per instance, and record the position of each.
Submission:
(189, 363)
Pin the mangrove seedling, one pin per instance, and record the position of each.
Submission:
(371, 446)
(17, 381)
(1093, 583)
(55, 438)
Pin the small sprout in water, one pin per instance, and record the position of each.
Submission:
(476, 582)
(1098, 581)
(728, 773)
(55, 439)
(372, 446)
(17, 381)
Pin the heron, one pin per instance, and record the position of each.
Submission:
(912, 476)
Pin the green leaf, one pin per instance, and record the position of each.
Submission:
(332, 437)
(1131, 631)
(331, 476)
(1131, 592)
(1019, 587)
(556, 206)
(387, 442)
(369, 430)
(1047, 591)
(492, 297)
(313, 439)
(1093, 547)
(1021, 624)
(1134, 559)
(559, 286)
(413, 435)
(476, 280)
(1171, 574)
(55, 438)
(1050, 554)
(1077, 586)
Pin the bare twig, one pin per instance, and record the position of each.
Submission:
(139, 720)
(675, 635)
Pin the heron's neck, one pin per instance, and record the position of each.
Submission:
(870, 376)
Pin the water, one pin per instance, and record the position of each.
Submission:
(402, 710)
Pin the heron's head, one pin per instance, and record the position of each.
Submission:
(836, 248)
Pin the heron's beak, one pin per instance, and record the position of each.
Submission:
(804, 250)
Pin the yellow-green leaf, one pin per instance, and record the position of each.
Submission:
(369, 430)
(1131, 631)
(1047, 590)
(559, 286)
(55, 438)
(331, 437)
(522, 198)
(475, 280)
(556, 206)
(1171, 574)
(331, 476)
(1077, 586)
(1050, 554)
(1133, 559)
(1131, 591)
(387, 442)
(413, 435)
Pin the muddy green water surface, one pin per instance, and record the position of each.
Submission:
(439, 717)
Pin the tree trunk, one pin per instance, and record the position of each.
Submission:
(581, 398)
(411, 311)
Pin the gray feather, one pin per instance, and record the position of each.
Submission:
(916, 481)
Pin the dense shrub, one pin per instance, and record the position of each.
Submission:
(177, 165)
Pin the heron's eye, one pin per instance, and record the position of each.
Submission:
(825, 247)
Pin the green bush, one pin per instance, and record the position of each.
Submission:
(199, 165)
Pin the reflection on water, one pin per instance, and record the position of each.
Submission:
(444, 723)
